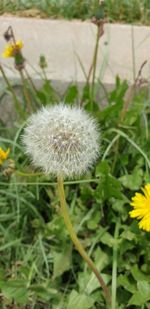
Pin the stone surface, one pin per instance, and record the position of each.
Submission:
(122, 50)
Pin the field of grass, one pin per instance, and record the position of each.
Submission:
(134, 11)
(39, 266)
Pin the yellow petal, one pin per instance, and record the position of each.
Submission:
(141, 208)
(19, 44)
(4, 154)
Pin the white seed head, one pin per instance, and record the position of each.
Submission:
(62, 140)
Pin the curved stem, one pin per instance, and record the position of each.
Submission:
(11, 89)
(76, 241)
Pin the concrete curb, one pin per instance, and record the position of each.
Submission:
(123, 49)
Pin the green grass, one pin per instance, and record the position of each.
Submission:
(135, 11)
(39, 266)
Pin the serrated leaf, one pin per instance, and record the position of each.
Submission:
(87, 281)
(79, 301)
(101, 260)
(62, 261)
(108, 187)
(126, 284)
(138, 275)
(132, 181)
(139, 299)
(102, 168)
(107, 239)
(43, 293)
(94, 220)
(72, 94)
(144, 288)
(15, 289)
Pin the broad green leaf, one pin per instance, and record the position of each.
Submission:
(87, 280)
(94, 220)
(144, 288)
(126, 284)
(108, 187)
(101, 260)
(43, 293)
(102, 168)
(62, 261)
(133, 113)
(138, 299)
(15, 289)
(138, 275)
(79, 301)
(108, 240)
(72, 94)
(133, 181)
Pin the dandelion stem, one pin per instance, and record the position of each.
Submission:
(10, 88)
(75, 240)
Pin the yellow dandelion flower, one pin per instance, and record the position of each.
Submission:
(12, 49)
(141, 208)
(3, 155)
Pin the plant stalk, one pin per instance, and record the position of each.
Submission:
(25, 91)
(75, 240)
(16, 101)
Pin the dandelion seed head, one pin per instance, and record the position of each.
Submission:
(62, 140)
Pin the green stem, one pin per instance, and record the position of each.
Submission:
(26, 95)
(30, 80)
(75, 240)
(114, 268)
(16, 101)
(44, 74)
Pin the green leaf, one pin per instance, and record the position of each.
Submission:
(72, 94)
(15, 289)
(62, 261)
(92, 223)
(126, 284)
(47, 94)
(79, 301)
(140, 298)
(43, 292)
(87, 280)
(101, 260)
(108, 186)
(118, 93)
(116, 100)
(144, 288)
(138, 275)
(108, 240)
(102, 168)
(133, 181)
(133, 113)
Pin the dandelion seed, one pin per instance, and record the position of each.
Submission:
(62, 140)
(141, 204)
